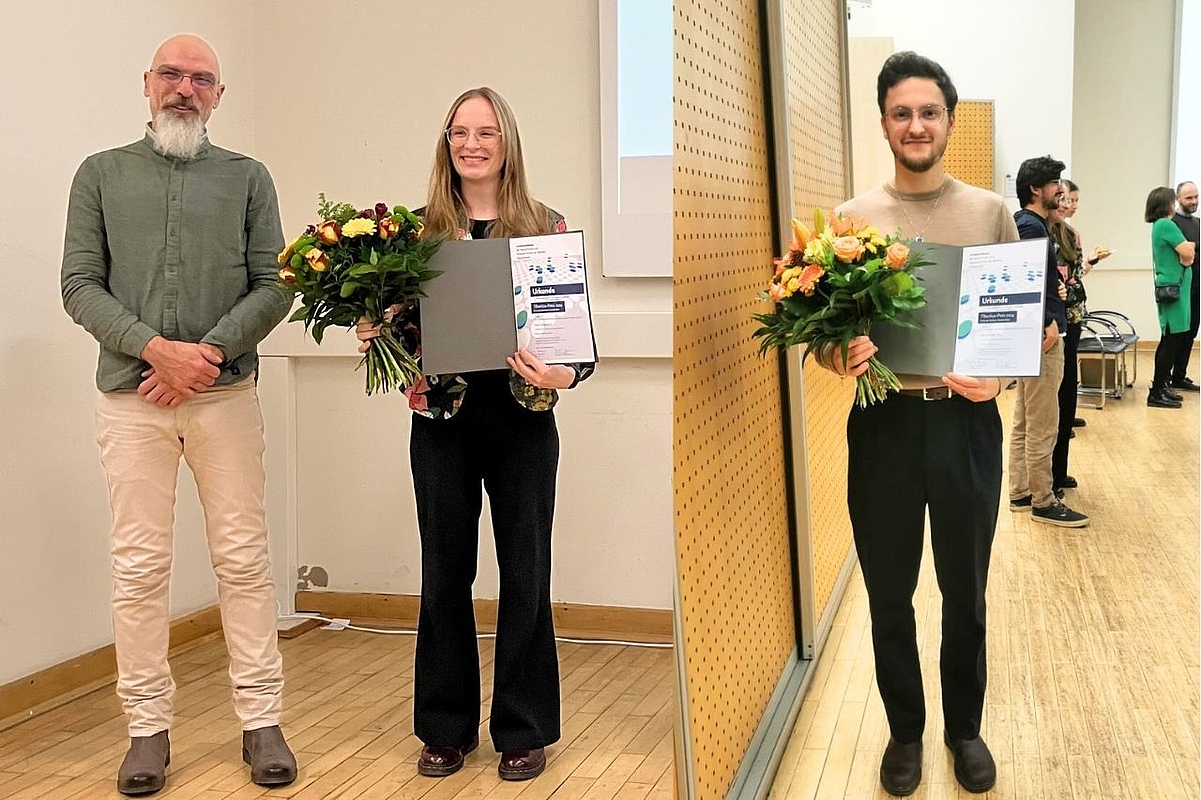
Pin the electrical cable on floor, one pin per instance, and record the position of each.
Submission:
(340, 624)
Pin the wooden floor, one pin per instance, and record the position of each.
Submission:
(348, 716)
(1092, 638)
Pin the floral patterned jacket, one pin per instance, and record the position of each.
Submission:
(441, 396)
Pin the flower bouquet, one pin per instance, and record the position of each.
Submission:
(832, 285)
(356, 265)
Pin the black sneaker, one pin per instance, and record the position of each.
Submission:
(1059, 514)
(1187, 385)
(1022, 503)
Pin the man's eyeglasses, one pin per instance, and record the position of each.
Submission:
(459, 136)
(903, 115)
(200, 80)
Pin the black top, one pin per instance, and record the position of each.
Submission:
(1189, 225)
(1032, 226)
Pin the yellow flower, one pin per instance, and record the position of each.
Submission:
(815, 249)
(318, 260)
(286, 253)
(358, 227)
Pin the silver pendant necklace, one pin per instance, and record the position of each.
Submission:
(917, 237)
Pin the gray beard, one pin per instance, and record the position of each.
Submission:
(176, 136)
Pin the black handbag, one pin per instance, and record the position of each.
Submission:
(1167, 293)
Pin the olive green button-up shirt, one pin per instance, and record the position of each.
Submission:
(182, 248)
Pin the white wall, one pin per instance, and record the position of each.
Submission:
(1121, 146)
(353, 111)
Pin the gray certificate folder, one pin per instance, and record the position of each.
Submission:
(930, 349)
(467, 319)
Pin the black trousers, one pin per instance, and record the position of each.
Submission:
(1167, 352)
(907, 455)
(1180, 367)
(493, 444)
(1067, 403)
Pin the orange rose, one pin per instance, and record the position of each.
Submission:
(847, 248)
(897, 256)
(318, 260)
(810, 275)
(777, 292)
(329, 232)
(388, 228)
(287, 275)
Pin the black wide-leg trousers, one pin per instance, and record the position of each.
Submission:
(495, 445)
(906, 455)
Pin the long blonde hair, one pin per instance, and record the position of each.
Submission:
(518, 214)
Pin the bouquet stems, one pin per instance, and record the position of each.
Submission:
(389, 365)
(875, 384)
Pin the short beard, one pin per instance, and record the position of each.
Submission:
(924, 165)
(178, 136)
(919, 166)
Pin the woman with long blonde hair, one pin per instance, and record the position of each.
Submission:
(493, 430)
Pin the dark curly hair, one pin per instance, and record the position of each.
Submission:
(908, 64)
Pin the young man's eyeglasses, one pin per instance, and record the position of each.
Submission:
(903, 115)
(459, 136)
(200, 80)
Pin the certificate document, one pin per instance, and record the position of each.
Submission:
(496, 295)
(983, 315)
(550, 297)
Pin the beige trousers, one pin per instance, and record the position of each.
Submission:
(220, 434)
(1035, 429)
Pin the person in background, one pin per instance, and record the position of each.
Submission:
(492, 430)
(170, 263)
(1190, 226)
(1073, 266)
(1171, 255)
(1036, 412)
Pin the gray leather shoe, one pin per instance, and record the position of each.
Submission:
(144, 770)
(271, 761)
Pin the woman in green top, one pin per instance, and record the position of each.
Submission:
(1171, 254)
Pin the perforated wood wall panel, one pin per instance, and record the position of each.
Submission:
(814, 67)
(730, 513)
(969, 155)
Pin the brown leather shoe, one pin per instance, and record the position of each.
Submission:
(521, 765)
(270, 759)
(144, 770)
(438, 762)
